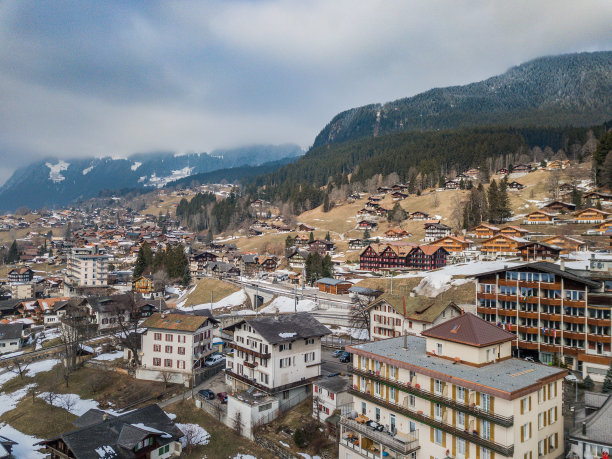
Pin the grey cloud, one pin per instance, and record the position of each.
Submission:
(94, 78)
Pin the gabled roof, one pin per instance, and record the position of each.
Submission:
(597, 426)
(548, 268)
(469, 329)
(11, 331)
(429, 249)
(286, 327)
(330, 281)
(418, 308)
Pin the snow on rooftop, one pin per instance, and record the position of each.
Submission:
(287, 335)
(287, 304)
(235, 299)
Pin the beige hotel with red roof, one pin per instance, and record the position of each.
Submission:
(455, 391)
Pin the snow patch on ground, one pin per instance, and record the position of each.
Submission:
(244, 456)
(136, 165)
(87, 170)
(70, 402)
(26, 447)
(195, 433)
(235, 299)
(109, 356)
(10, 354)
(284, 444)
(357, 333)
(287, 304)
(55, 170)
(10, 401)
(42, 366)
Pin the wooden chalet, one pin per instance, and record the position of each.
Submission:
(366, 224)
(254, 232)
(379, 257)
(322, 247)
(143, 284)
(540, 217)
(396, 233)
(198, 261)
(566, 243)
(452, 185)
(418, 215)
(453, 243)
(514, 231)
(383, 190)
(23, 274)
(591, 215)
(269, 264)
(399, 187)
(514, 185)
(502, 171)
(357, 244)
(485, 231)
(521, 168)
(297, 259)
(557, 164)
(427, 257)
(501, 245)
(303, 227)
(538, 251)
(398, 196)
(557, 207)
(566, 188)
(603, 226)
(300, 240)
(598, 196)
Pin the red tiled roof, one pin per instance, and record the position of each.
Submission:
(469, 329)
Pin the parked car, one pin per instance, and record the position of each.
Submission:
(345, 357)
(214, 359)
(207, 394)
(222, 396)
(331, 375)
(337, 353)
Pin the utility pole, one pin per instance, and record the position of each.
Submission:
(256, 298)
(295, 298)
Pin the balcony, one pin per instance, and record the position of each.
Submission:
(505, 421)
(485, 310)
(486, 296)
(573, 334)
(249, 351)
(403, 445)
(574, 319)
(598, 322)
(504, 450)
(552, 317)
(266, 389)
(250, 364)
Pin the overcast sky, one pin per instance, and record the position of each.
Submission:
(98, 78)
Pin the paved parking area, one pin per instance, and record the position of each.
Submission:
(330, 364)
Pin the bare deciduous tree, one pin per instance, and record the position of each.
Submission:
(127, 317)
(359, 317)
(554, 180)
(19, 367)
(96, 381)
(165, 377)
(238, 423)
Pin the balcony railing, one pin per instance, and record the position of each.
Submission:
(249, 351)
(392, 442)
(504, 450)
(505, 421)
(270, 390)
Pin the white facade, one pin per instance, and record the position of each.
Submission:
(10, 345)
(87, 266)
(250, 412)
(326, 401)
(174, 354)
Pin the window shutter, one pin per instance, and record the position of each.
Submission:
(492, 404)
(454, 395)
(454, 424)
(431, 381)
(556, 414)
(477, 452)
(492, 434)
(530, 434)
(556, 382)
(522, 407)
(522, 434)
(477, 398)
(454, 447)
(467, 449)
(431, 405)
(444, 439)
(431, 434)
(556, 439)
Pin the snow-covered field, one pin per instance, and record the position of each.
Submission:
(70, 402)
(194, 433)
(109, 356)
(287, 304)
(235, 299)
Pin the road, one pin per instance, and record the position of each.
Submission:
(330, 364)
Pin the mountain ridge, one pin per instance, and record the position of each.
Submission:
(564, 90)
(52, 182)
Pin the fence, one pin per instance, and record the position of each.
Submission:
(204, 373)
(339, 343)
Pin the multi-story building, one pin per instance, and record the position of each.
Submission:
(555, 312)
(453, 243)
(381, 257)
(591, 216)
(277, 355)
(485, 231)
(501, 245)
(435, 231)
(394, 315)
(540, 217)
(329, 395)
(175, 346)
(453, 392)
(23, 274)
(567, 244)
(87, 267)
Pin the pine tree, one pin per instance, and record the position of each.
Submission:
(144, 260)
(327, 268)
(493, 202)
(504, 201)
(311, 237)
(326, 204)
(13, 253)
(607, 384)
(289, 242)
(366, 234)
(576, 198)
(328, 237)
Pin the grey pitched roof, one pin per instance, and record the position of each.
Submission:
(110, 303)
(552, 268)
(597, 426)
(595, 399)
(110, 435)
(330, 281)
(11, 331)
(9, 305)
(91, 417)
(287, 327)
(335, 384)
(503, 377)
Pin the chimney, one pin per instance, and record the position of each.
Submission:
(105, 417)
(562, 265)
(584, 428)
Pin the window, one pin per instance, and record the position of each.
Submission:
(168, 337)
(411, 400)
(392, 394)
(438, 411)
(438, 436)
(460, 420)
(541, 448)
(309, 341)
(485, 402)
(168, 363)
(485, 426)
(540, 421)
(392, 372)
(284, 347)
(309, 357)
(437, 386)
(552, 415)
(157, 348)
(157, 336)
(460, 447)
(526, 431)
(485, 453)
(168, 349)
(439, 348)
(156, 362)
(285, 362)
(552, 442)
(460, 394)
(525, 405)
(377, 414)
(363, 408)
(181, 350)
(377, 389)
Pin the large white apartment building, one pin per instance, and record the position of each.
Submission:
(453, 392)
(275, 354)
(174, 346)
(87, 267)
